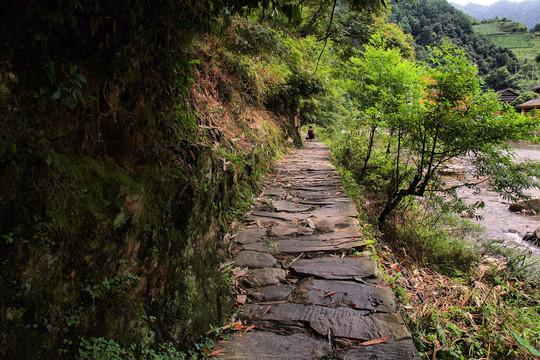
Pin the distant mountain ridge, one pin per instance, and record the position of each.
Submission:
(526, 12)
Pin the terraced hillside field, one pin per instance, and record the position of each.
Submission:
(526, 46)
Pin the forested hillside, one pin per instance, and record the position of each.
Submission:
(135, 134)
(526, 12)
(526, 46)
(434, 21)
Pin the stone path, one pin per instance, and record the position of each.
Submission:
(304, 296)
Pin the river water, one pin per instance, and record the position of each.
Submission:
(498, 220)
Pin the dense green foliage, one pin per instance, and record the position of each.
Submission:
(456, 304)
(434, 21)
(415, 119)
(524, 97)
(133, 133)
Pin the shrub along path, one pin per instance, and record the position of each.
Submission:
(302, 297)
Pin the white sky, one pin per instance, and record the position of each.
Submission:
(479, 2)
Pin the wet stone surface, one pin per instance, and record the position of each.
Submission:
(336, 268)
(400, 350)
(287, 206)
(264, 277)
(247, 236)
(281, 231)
(270, 346)
(255, 260)
(275, 293)
(341, 322)
(346, 293)
(296, 246)
(329, 223)
(300, 291)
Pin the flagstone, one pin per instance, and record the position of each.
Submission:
(336, 268)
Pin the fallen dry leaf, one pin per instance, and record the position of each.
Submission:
(329, 293)
(249, 328)
(352, 341)
(373, 342)
(241, 299)
(214, 353)
(238, 326)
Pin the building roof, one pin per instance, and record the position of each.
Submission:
(534, 103)
(499, 92)
(536, 88)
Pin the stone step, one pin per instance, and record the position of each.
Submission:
(339, 322)
(258, 345)
(346, 294)
(346, 268)
(390, 350)
(297, 246)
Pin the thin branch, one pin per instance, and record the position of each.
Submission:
(317, 13)
(326, 37)
(458, 186)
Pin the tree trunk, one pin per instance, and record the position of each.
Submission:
(398, 196)
(368, 155)
(390, 206)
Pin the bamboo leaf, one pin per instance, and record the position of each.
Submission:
(525, 344)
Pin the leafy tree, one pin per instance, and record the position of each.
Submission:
(524, 97)
(458, 119)
(444, 115)
(380, 83)
(512, 26)
(500, 79)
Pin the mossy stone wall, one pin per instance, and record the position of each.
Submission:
(131, 256)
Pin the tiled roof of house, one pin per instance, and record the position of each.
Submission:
(530, 104)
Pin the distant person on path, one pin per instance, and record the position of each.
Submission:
(310, 134)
